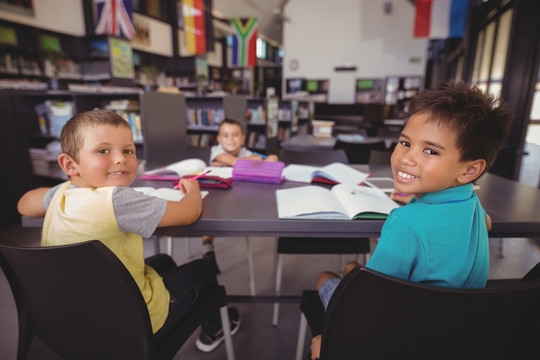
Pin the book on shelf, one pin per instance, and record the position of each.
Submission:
(342, 202)
(334, 173)
(165, 193)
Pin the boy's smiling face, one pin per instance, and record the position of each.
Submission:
(231, 138)
(107, 158)
(426, 158)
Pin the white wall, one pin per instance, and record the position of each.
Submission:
(323, 34)
(63, 16)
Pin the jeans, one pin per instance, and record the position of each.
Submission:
(184, 283)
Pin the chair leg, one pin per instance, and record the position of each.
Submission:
(157, 248)
(226, 325)
(502, 252)
(251, 268)
(169, 246)
(301, 337)
(188, 247)
(341, 263)
(277, 290)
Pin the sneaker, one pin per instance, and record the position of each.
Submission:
(210, 256)
(208, 342)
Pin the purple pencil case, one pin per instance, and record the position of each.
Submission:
(258, 171)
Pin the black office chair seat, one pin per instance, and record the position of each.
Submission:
(375, 316)
(80, 302)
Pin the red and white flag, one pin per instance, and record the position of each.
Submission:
(440, 19)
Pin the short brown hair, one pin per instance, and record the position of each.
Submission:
(231, 122)
(481, 122)
(72, 135)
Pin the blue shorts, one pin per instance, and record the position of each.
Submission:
(327, 289)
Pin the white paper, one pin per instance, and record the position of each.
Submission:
(337, 172)
(165, 193)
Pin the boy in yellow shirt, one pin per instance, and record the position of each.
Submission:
(98, 155)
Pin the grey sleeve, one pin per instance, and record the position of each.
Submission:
(49, 195)
(136, 212)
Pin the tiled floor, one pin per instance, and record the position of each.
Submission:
(257, 338)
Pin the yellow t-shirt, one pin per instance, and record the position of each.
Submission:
(82, 214)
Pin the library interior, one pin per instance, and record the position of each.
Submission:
(315, 83)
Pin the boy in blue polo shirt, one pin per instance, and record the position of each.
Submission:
(441, 236)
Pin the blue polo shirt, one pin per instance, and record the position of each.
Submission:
(439, 239)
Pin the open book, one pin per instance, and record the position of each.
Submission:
(333, 173)
(176, 171)
(165, 193)
(341, 202)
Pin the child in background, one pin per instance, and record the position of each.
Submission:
(98, 155)
(441, 236)
(230, 148)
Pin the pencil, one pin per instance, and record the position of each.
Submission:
(259, 155)
(177, 186)
(199, 176)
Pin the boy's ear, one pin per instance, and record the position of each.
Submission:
(67, 164)
(472, 170)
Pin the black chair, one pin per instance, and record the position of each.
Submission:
(80, 302)
(295, 245)
(313, 157)
(358, 152)
(374, 316)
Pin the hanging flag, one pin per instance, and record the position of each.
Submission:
(114, 17)
(244, 41)
(194, 26)
(440, 19)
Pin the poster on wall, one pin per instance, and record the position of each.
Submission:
(121, 58)
(18, 7)
(142, 31)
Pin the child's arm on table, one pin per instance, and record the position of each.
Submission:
(31, 203)
(227, 159)
(187, 210)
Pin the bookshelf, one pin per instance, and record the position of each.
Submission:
(292, 117)
(204, 114)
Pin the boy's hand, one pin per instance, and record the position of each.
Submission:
(272, 158)
(316, 347)
(187, 186)
(401, 198)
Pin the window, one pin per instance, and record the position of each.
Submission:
(491, 50)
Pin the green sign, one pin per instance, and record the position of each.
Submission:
(121, 58)
(8, 36)
(49, 42)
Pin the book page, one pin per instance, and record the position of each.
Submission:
(363, 201)
(165, 193)
(341, 173)
(224, 172)
(176, 170)
(298, 173)
(308, 202)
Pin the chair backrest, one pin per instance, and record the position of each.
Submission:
(372, 315)
(314, 157)
(359, 152)
(380, 157)
(164, 128)
(79, 300)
